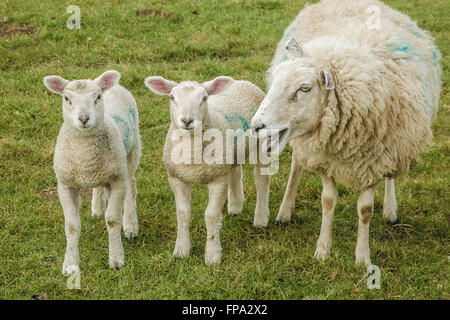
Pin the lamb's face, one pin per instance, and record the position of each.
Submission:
(292, 106)
(83, 106)
(188, 105)
(188, 100)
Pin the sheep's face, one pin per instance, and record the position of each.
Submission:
(292, 106)
(83, 106)
(188, 100)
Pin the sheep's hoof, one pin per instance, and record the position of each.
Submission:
(97, 214)
(282, 218)
(181, 252)
(216, 259)
(321, 253)
(213, 254)
(130, 233)
(362, 257)
(390, 215)
(116, 264)
(70, 269)
(234, 211)
(261, 223)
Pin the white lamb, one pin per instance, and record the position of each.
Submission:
(98, 147)
(210, 108)
(356, 101)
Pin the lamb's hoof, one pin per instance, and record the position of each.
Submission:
(321, 253)
(362, 258)
(212, 259)
(213, 254)
(70, 269)
(116, 263)
(181, 251)
(390, 216)
(234, 211)
(282, 218)
(130, 232)
(97, 214)
(261, 220)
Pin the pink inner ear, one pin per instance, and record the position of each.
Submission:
(160, 86)
(56, 84)
(218, 86)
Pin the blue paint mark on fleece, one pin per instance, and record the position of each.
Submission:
(124, 127)
(237, 118)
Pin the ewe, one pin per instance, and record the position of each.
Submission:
(211, 109)
(98, 147)
(356, 100)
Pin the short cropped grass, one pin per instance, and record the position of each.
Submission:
(195, 40)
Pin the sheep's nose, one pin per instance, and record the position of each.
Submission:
(187, 121)
(83, 119)
(259, 127)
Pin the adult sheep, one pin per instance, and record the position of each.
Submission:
(356, 100)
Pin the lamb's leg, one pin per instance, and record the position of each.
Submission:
(213, 220)
(329, 200)
(113, 218)
(287, 206)
(365, 209)
(390, 203)
(70, 202)
(235, 191)
(182, 194)
(98, 201)
(261, 216)
(130, 219)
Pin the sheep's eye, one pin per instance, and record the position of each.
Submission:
(67, 100)
(98, 98)
(305, 87)
(171, 97)
(204, 98)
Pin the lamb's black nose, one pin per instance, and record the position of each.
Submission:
(187, 121)
(83, 119)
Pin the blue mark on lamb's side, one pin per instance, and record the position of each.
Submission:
(124, 127)
(237, 118)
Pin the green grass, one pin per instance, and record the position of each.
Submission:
(225, 37)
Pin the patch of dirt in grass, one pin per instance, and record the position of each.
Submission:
(10, 29)
(155, 13)
(52, 194)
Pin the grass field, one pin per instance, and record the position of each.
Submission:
(195, 40)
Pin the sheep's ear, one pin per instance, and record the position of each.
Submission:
(159, 85)
(218, 85)
(294, 49)
(55, 84)
(326, 80)
(108, 79)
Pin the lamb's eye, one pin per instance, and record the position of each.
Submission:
(305, 87)
(204, 98)
(98, 98)
(171, 97)
(67, 100)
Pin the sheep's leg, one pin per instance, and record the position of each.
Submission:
(235, 191)
(70, 202)
(113, 218)
(261, 216)
(390, 203)
(182, 194)
(365, 209)
(98, 202)
(213, 220)
(329, 200)
(287, 206)
(130, 219)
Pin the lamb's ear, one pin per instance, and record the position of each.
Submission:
(326, 79)
(294, 49)
(159, 85)
(218, 85)
(108, 79)
(55, 84)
